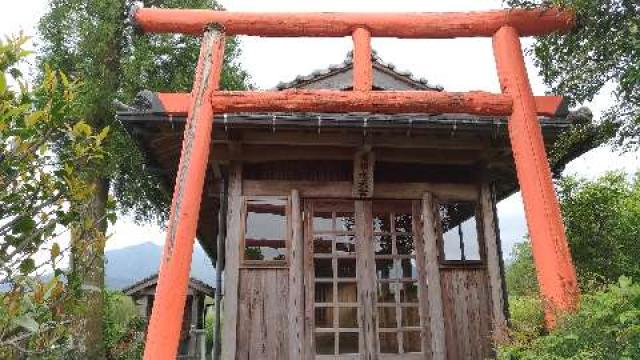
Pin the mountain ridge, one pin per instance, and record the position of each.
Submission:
(128, 265)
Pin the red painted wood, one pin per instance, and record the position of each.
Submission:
(550, 106)
(362, 66)
(401, 25)
(178, 103)
(383, 102)
(556, 274)
(174, 103)
(166, 318)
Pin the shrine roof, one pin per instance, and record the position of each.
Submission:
(381, 67)
(152, 280)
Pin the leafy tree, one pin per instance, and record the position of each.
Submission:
(604, 48)
(602, 220)
(42, 194)
(92, 40)
(521, 275)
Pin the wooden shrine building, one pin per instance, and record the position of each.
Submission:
(360, 201)
(192, 331)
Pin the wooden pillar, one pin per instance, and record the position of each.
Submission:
(222, 235)
(141, 306)
(362, 66)
(434, 288)
(296, 284)
(193, 326)
(556, 274)
(421, 263)
(232, 262)
(166, 318)
(148, 306)
(366, 279)
(492, 252)
(309, 284)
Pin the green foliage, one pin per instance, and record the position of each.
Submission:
(527, 319)
(602, 220)
(607, 326)
(92, 40)
(604, 48)
(124, 330)
(520, 274)
(43, 193)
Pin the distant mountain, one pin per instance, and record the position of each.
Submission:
(128, 265)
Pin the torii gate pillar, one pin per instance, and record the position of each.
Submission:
(166, 317)
(556, 274)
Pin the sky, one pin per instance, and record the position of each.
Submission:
(458, 65)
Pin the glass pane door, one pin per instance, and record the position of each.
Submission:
(335, 289)
(399, 327)
(336, 325)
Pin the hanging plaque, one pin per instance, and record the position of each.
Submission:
(363, 166)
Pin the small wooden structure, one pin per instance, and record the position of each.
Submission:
(192, 330)
(361, 219)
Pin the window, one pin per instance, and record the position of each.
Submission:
(266, 225)
(460, 241)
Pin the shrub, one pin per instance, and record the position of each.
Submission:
(124, 329)
(607, 326)
(527, 319)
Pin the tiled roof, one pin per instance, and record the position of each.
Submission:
(347, 64)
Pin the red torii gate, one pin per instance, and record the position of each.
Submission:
(554, 267)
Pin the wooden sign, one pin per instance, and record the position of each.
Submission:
(363, 167)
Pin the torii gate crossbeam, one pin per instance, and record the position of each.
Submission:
(554, 267)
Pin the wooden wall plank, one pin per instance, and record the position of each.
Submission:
(263, 153)
(499, 320)
(232, 261)
(337, 137)
(449, 315)
(296, 284)
(430, 235)
(467, 312)
(262, 315)
(343, 189)
(462, 314)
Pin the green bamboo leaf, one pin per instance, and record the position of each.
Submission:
(34, 117)
(65, 79)
(103, 134)
(81, 128)
(3, 83)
